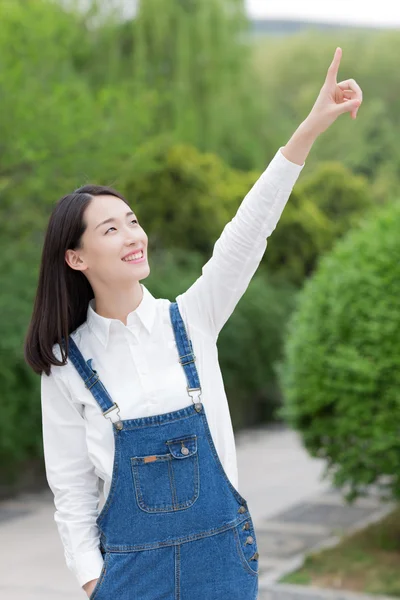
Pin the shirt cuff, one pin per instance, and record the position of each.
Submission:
(283, 172)
(88, 566)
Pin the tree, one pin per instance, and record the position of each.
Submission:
(196, 54)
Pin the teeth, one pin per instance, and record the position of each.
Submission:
(134, 256)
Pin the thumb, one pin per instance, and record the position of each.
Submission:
(350, 106)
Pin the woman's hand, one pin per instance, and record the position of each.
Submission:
(89, 586)
(333, 100)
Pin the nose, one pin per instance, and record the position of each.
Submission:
(131, 243)
(134, 236)
(131, 237)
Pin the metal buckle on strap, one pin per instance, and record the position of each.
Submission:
(117, 422)
(193, 390)
(113, 407)
(183, 363)
(197, 405)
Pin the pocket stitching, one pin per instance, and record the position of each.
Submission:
(136, 462)
(170, 508)
(177, 441)
(242, 556)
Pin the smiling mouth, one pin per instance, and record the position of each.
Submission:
(134, 257)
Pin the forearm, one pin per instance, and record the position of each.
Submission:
(300, 144)
(237, 253)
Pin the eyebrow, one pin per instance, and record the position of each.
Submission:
(112, 219)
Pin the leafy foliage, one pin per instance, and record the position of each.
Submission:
(340, 375)
(324, 205)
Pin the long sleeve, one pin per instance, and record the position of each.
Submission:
(71, 477)
(210, 301)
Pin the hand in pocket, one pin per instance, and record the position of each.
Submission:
(89, 586)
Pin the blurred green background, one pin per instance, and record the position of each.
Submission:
(181, 108)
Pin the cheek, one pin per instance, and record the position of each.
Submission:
(104, 251)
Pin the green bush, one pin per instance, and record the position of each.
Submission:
(183, 197)
(323, 206)
(20, 423)
(340, 375)
(249, 345)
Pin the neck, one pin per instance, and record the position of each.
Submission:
(117, 304)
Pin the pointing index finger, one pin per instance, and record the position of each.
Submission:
(334, 66)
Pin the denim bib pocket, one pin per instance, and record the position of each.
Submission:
(168, 482)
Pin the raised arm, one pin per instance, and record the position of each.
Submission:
(209, 302)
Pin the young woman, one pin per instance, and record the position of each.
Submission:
(132, 393)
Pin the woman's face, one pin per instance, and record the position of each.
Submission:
(112, 233)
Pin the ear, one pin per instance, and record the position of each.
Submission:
(75, 261)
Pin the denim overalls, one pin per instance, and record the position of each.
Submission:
(173, 527)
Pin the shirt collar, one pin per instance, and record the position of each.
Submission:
(144, 313)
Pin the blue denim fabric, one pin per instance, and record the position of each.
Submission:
(173, 527)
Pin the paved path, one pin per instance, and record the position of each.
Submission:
(292, 509)
(297, 592)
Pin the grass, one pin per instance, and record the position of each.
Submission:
(367, 561)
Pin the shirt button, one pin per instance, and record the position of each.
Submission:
(185, 450)
(242, 509)
(246, 525)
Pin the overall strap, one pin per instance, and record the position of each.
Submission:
(186, 354)
(93, 383)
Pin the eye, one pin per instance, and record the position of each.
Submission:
(132, 221)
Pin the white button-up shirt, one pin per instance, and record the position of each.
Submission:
(138, 364)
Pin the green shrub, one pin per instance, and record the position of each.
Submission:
(183, 197)
(323, 206)
(20, 424)
(249, 345)
(340, 375)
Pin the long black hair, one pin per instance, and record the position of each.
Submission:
(63, 293)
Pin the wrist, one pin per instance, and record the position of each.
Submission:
(308, 130)
(301, 142)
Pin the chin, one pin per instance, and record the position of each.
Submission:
(146, 272)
